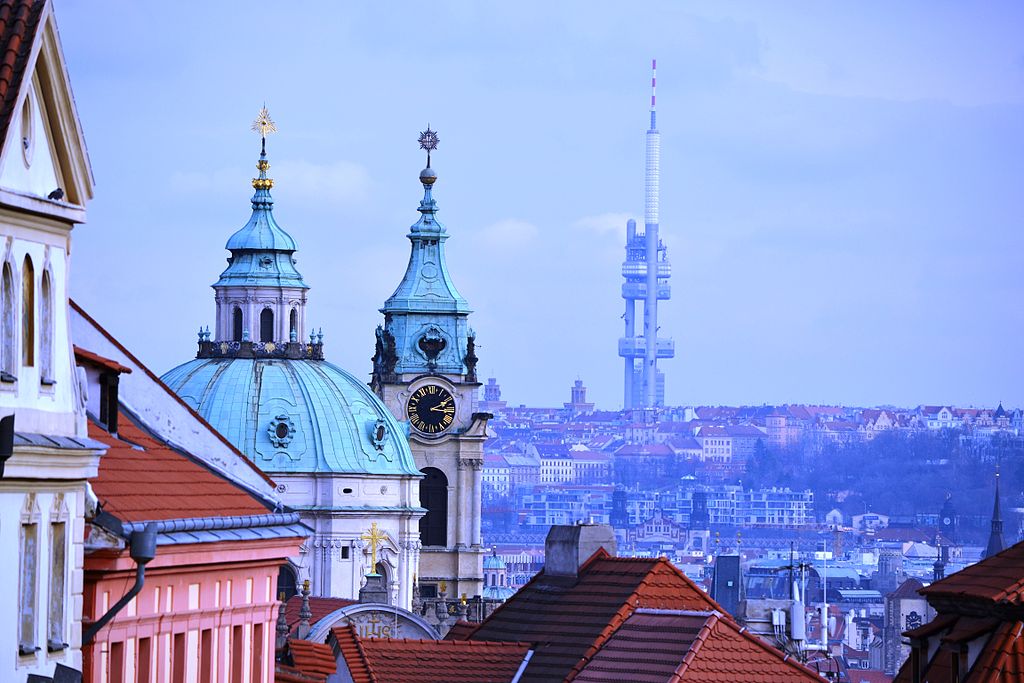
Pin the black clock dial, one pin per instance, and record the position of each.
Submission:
(431, 409)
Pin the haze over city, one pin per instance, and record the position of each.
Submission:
(840, 184)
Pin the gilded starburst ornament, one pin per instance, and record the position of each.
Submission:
(263, 123)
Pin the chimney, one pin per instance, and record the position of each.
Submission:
(567, 547)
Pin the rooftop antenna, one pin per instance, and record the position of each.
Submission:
(654, 81)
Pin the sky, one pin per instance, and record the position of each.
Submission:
(842, 183)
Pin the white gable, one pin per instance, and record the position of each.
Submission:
(30, 165)
(44, 149)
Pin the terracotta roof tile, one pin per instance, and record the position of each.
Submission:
(88, 357)
(149, 373)
(1002, 660)
(460, 630)
(659, 646)
(995, 579)
(648, 648)
(725, 654)
(289, 674)
(142, 479)
(18, 22)
(386, 660)
(570, 619)
(312, 659)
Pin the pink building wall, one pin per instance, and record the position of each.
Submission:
(206, 614)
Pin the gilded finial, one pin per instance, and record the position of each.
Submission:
(263, 125)
(428, 140)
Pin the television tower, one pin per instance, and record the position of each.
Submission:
(644, 387)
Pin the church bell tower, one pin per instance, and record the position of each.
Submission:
(424, 369)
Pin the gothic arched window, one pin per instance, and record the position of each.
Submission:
(46, 329)
(236, 324)
(28, 313)
(267, 325)
(9, 339)
(293, 326)
(434, 497)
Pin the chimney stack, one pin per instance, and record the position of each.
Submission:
(567, 547)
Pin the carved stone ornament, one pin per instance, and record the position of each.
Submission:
(431, 344)
(281, 431)
(379, 434)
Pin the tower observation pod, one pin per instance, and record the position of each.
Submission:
(643, 382)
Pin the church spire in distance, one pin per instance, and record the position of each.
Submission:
(995, 537)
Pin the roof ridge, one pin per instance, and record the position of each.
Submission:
(353, 639)
(695, 647)
(622, 614)
(749, 637)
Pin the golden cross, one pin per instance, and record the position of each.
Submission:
(374, 537)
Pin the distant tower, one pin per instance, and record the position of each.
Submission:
(995, 536)
(578, 395)
(644, 387)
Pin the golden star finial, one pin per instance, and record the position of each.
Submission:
(263, 123)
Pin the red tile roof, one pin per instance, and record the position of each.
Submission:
(312, 659)
(88, 357)
(1002, 660)
(998, 579)
(570, 619)
(18, 22)
(724, 654)
(154, 481)
(386, 660)
(289, 674)
(979, 605)
(659, 646)
(320, 607)
(460, 630)
(647, 648)
(149, 373)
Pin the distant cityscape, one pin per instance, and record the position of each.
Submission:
(696, 484)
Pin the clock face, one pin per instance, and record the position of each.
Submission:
(946, 521)
(431, 409)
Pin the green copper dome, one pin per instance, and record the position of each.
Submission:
(295, 415)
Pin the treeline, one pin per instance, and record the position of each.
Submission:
(898, 473)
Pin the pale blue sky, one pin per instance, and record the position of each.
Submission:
(841, 196)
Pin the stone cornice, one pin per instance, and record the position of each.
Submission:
(33, 462)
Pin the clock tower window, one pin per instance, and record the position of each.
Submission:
(434, 497)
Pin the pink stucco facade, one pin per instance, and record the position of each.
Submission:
(207, 614)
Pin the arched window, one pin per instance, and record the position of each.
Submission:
(293, 326)
(434, 497)
(236, 324)
(46, 331)
(287, 581)
(9, 339)
(28, 313)
(267, 325)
